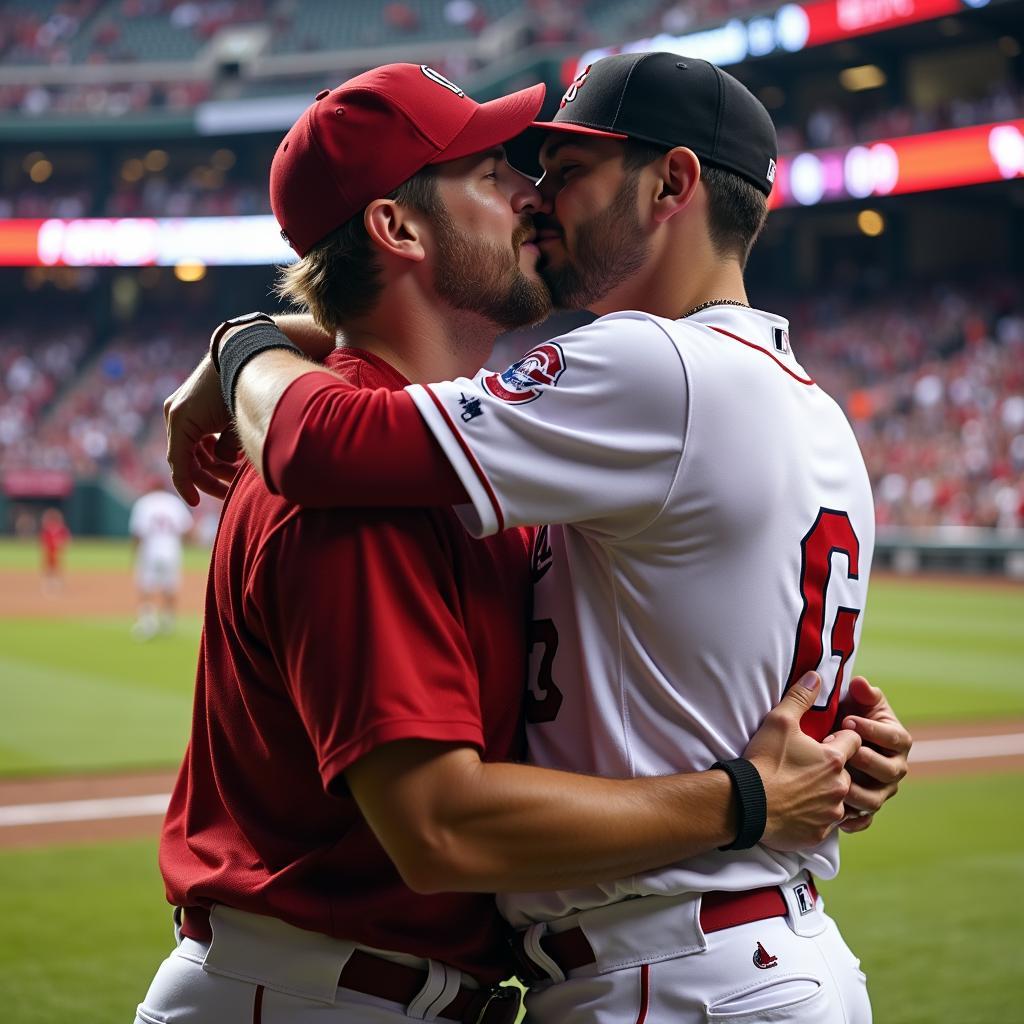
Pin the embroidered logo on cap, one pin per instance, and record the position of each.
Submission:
(771, 171)
(578, 82)
(436, 76)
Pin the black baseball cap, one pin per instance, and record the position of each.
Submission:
(670, 100)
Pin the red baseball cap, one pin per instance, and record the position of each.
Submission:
(360, 141)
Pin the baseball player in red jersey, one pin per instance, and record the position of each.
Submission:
(53, 539)
(719, 528)
(348, 790)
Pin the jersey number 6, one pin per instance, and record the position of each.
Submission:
(831, 533)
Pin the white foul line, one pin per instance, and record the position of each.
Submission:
(962, 748)
(965, 748)
(84, 810)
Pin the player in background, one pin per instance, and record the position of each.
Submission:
(719, 520)
(54, 537)
(159, 522)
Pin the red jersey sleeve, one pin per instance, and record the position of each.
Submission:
(331, 444)
(365, 623)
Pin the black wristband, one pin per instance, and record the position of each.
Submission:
(238, 349)
(751, 802)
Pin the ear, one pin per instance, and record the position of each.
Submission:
(679, 171)
(395, 229)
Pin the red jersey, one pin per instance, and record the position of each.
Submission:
(328, 633)
(53, 539)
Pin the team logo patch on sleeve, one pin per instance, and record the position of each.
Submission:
(525, 380)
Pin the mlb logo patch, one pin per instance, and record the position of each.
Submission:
(804, 900)
(771, 172)
(781, 340)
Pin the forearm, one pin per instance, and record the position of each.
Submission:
(506, 827)
(528, 828)
(302, 330)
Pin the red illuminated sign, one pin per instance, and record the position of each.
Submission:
(840, 19)
(887, 167)
(913, 163)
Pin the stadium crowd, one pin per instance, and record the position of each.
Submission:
(828, 125)
(99, 411)
(934, 388)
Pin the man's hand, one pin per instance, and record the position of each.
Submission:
(193, 415)
(806, 782)
(881, 763)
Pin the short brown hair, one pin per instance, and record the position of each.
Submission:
(339, 278)
(737, 210)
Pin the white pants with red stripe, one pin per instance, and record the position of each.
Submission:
(788, 970)
(262, 971)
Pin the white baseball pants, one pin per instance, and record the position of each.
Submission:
(259, 970)
(656, 966)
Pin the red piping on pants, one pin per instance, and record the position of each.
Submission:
(645, 992)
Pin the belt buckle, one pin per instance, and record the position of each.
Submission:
(501, 1006)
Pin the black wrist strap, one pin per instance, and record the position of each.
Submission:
(751, 803)
(238, 349)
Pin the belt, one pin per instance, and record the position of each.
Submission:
(375, 976)
(571, 949)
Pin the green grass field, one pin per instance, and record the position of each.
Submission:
(94, 555)
(929, 898)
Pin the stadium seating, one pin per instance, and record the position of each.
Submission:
(934, 389)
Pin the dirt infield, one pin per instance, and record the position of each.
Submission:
(97, 592)
(64, 794)
(112, 592)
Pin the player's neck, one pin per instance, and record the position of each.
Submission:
(424, 343)
(675, 280)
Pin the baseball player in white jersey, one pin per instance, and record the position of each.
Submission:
(718, 527)
(159, 520)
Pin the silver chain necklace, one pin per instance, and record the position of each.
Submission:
(714, 302)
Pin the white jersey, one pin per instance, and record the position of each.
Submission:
(159, 520)
(718, 539)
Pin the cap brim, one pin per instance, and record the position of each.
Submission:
(524, 150)
(576, 129)
(494, 123)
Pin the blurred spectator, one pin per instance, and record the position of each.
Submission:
(401, 17)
